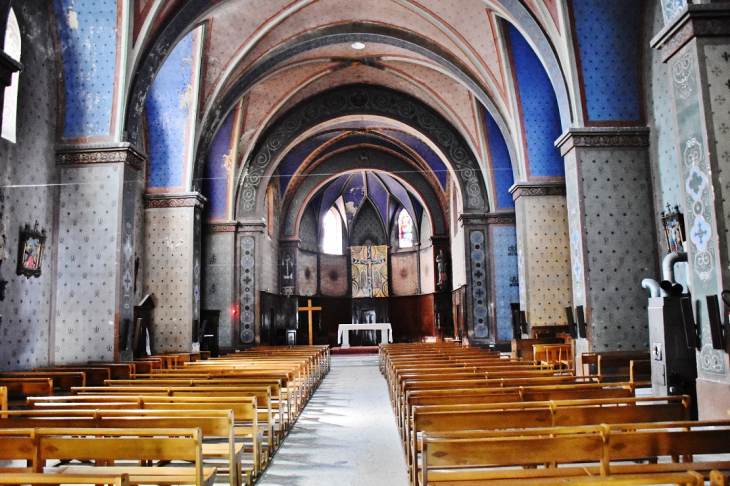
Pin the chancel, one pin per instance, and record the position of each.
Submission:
(288, 187)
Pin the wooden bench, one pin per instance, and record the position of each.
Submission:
(553, 355)
(17, 388)
(94, 375)
(62, 380)
(245, 412)
(611, 365)
(20, 478)
(272, 423)
(484, 458)
(214, 424)
(3, 400)
(555, 413)
(106, 447)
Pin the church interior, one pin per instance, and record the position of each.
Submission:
(231, 176)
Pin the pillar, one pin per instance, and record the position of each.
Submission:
(695, 45)
(248, 244)
(479, 325)
(612, 239)
(219, 277)
(173, 268)
(543, 263)
(98, 197)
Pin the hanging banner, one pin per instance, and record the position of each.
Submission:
(369, 271)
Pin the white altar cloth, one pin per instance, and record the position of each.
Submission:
(343, 332)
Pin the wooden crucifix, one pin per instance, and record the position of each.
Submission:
(309, 310)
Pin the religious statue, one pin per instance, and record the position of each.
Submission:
(287, 269)
(441, 271)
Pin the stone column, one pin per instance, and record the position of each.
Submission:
(480, 328)
(96, 249)
(219, 277)
(504, 282)
(173, 268)
(612, 239)
(696, 47)
(543, 263)
(248, 238)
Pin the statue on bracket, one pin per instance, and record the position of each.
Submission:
(442, 272)
(30, 251)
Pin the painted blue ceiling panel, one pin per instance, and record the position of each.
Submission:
(400, 193)
(425, 152)
(293, 160)
(167, 107)
(353, 194)
(502, 171)
(215, 183)
(610, 41)
(540, 114)
(379, 195)
(331, 193)
(88, 35)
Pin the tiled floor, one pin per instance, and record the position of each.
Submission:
(346, 435)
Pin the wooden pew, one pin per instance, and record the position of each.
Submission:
(107, 446)
(94, 375)
(555, 413)
(62, 380)
(245, 412)
(214, 424)
(22, 387)
(611, 365)
(719, 478)
(272, 423)
(689, 478)
(483, 457)
(553, 355)
(20, 478)
(3, 400)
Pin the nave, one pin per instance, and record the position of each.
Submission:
(346, 433)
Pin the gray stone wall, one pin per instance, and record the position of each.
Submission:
(218, 280)
(28, 177)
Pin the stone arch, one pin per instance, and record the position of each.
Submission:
(361, 99)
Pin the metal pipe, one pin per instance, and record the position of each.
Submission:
(668, 265)
(653, 286)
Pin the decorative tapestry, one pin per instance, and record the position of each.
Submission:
(369, 271)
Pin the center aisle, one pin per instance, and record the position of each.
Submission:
(345, 436)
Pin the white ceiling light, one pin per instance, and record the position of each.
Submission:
(357, 45)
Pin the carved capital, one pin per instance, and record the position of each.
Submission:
(71, 155)
(702, 20)
(603, 137)
(174, 200)
(533, 189)
(251, 226)
(473, 219)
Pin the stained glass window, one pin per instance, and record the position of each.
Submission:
(332, 233)
(10, 106)
(405, 229)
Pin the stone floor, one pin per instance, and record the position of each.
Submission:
(346, 435)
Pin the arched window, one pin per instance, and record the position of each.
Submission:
(405, 229)
(10, 106)
(332, 233)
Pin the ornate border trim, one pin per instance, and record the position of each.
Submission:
(537, 189)
(488, 218)
(178, 200)
(221, 227)
(696, 20)
(601, 137)
(87, 155)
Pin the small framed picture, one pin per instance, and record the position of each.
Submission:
(674, 229)
(30, 251)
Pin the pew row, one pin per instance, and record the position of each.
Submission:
(106, 447)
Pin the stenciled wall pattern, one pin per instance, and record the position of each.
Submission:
(506, 282)
(89, 222)
(404, 274)
(29, 193)
(169, 276)
(217, 279)
(334, 281)
(306, 273)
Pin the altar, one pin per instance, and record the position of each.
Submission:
(343, 332)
